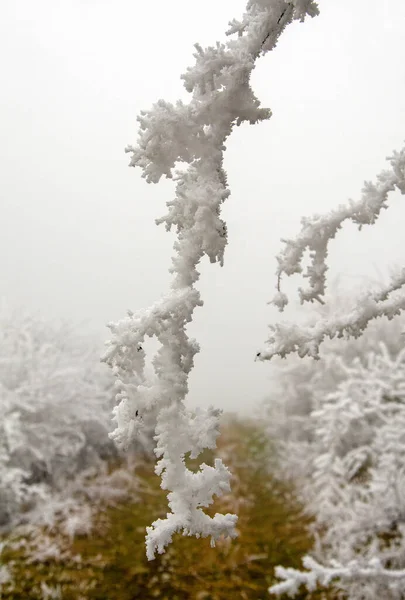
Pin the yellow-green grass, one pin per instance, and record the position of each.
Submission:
(113, 566)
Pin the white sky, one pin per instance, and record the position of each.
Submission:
(78, 238)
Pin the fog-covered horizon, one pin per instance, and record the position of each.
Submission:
(79, 240)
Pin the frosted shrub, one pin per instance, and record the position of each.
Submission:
(354, 481)
(55, 405)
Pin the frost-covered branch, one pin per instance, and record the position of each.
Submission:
(319, 230)
(315, 235)
(347, 457)
(195, 134)
(286, 338)
(318, 574)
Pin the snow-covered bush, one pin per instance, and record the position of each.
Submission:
(347, 457)
(186, 142)
(55, 400)
(350, 455)
(298, 384)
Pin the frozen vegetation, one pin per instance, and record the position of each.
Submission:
(335, 414)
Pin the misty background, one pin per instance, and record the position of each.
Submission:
(78, 238)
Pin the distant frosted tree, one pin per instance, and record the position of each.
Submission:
(55, 404)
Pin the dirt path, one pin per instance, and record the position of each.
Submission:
(113, 564)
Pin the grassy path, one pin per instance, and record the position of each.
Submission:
(113, 564)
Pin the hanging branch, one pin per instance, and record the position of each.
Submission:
(195, 134)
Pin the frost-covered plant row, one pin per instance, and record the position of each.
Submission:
(55, 401)
(193, 136)
(345, 449)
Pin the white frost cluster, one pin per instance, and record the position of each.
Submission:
(194, 134)
(365, 576)
(314, 237)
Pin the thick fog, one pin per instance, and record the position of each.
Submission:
(78, 238)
